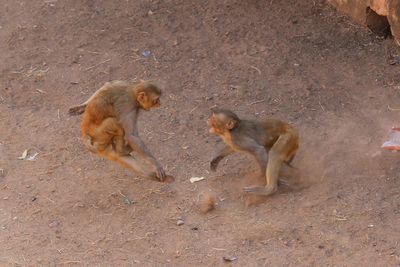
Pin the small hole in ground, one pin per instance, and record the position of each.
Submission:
(378, 24)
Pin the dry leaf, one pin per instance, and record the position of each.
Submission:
(24, 154)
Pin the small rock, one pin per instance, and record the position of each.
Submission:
(33, 199)
(5, 198)
(180, 222)
(230, 258)
(54, 223)
(150, 13)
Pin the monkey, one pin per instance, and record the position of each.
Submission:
(118, 142)
(272, 142)
(109, 124)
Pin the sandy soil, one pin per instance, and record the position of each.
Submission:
(299, 61)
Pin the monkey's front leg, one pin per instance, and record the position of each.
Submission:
(221, 154)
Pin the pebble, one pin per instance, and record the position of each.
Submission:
(54, 223)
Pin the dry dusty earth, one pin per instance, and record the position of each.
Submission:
(296, 60)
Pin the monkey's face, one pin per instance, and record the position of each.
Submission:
(212, 123)
(221, 123)
(218, 124)
(148, 101)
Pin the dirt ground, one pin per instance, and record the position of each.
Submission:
(300, 61)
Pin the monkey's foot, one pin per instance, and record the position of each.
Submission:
(126, 151)
(283, 182)
(261, 191)
(168, 179)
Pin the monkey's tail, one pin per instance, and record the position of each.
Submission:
(76, 110)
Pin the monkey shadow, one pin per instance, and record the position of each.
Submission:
(290, 181)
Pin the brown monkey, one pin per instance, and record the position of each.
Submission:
(269, 140)
(109, 124)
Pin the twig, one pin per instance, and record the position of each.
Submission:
(193, 109)
(155, 59)
(168, 138)
(168, 133)
(122, 194)
(50, 200)
(58, 114)
(219, 249)
(340, 218)
(256, 102)
(321, 106)
(98, 64)
(68, 262)
(257, 69)
(393, 109)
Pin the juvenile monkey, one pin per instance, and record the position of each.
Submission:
(109, 124)
(269, 141)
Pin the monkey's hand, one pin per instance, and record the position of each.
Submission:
(214, 163)
(159, 171)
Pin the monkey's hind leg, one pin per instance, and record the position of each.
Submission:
(277, 154)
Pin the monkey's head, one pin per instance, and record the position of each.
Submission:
(222, 121)
(147, 95)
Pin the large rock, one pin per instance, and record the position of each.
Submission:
(379, 15)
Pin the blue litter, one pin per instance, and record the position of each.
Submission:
(146, 53)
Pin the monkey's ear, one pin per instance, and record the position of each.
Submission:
(230, 124)
(141, 96)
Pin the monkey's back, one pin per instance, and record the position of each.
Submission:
(102, 106)
(273, 128)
